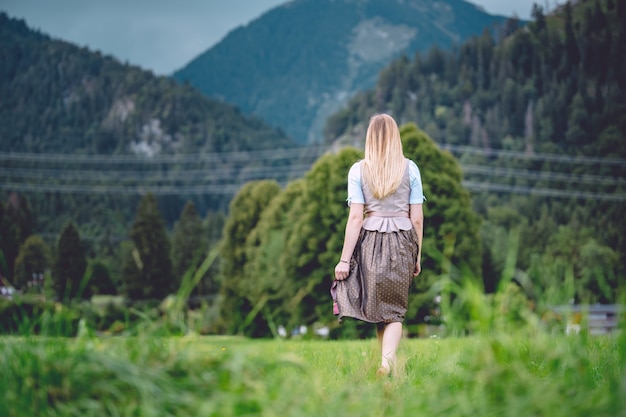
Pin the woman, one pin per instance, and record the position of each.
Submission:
(383, 240)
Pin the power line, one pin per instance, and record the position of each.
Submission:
(226, 179)
(542, 175)
(534, 156)
(228, 189)
(289, 153)
(155, 175)
(231, 189)
(212, 157)
(546, 192)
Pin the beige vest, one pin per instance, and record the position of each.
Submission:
(390, 214)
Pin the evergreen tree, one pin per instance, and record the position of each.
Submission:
(31, 264)
(70, 265)
(100, 279)
(189, 242)
(16, 226)
(147, 272)
(4, 268)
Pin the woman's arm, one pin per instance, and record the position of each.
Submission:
(417, 219)
(353, 228)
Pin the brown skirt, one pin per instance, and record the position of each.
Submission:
(381, 272)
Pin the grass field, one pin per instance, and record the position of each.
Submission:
(521, 373)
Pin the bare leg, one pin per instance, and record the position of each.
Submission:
(380, 331)
(390, 339)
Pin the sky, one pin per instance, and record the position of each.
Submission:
(164, 35)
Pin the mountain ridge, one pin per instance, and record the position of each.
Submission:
(53, 89)
(300, 62)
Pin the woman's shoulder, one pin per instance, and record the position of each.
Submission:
(412, 165)
(355, 168)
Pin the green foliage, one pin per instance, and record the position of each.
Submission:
(16, 224)
(448, 217)
(30, 315)
(189, 242)
(69, 279)
(554, 87)
(283, 268)
(245, 210)
(58, 98)
(265, 275)
(147, 273)
(99, 278)
(507, 375)
(31, 264)
(314, 235)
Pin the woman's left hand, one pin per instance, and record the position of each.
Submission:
(418, 266)
(342, 270)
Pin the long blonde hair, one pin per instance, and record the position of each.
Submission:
(384, 164)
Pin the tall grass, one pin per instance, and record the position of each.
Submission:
(511, 364)
(507, 375)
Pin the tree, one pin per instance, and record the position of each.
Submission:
(100, 279)
(147, 272)
(188, 242)
(451, 227)
(290, 253)
(314, 231)
(245, 211)
(70, 265)
(16, 226)
(31, 264)
(265, 273)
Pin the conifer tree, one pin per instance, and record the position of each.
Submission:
(188, 241)
(31, 264)
(70, 265)
(16, 226)
(147, 273)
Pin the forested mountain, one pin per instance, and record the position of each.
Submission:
(538, 121)
(57, 97)
(298, 63)
(111, 132)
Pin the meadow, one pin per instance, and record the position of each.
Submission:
(529, 372)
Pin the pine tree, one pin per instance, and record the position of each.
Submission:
(16, 226)
(188, 241)
(147, 273)
(70, 265)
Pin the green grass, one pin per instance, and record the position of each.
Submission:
(506, 374)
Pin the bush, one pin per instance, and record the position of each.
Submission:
(36, 316)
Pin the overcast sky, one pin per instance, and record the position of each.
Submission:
(164, 35)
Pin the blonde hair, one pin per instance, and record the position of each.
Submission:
(384, 164)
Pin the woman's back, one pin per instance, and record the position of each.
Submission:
(389, 214)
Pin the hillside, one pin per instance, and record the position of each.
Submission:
(538, 123)
(83, 136)
(57, 97)
(300, 62)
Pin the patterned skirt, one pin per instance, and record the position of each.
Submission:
(381, 272)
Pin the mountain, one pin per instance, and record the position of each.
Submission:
(57, 97)
(83, 136)
(300, 62)
(538, 122)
